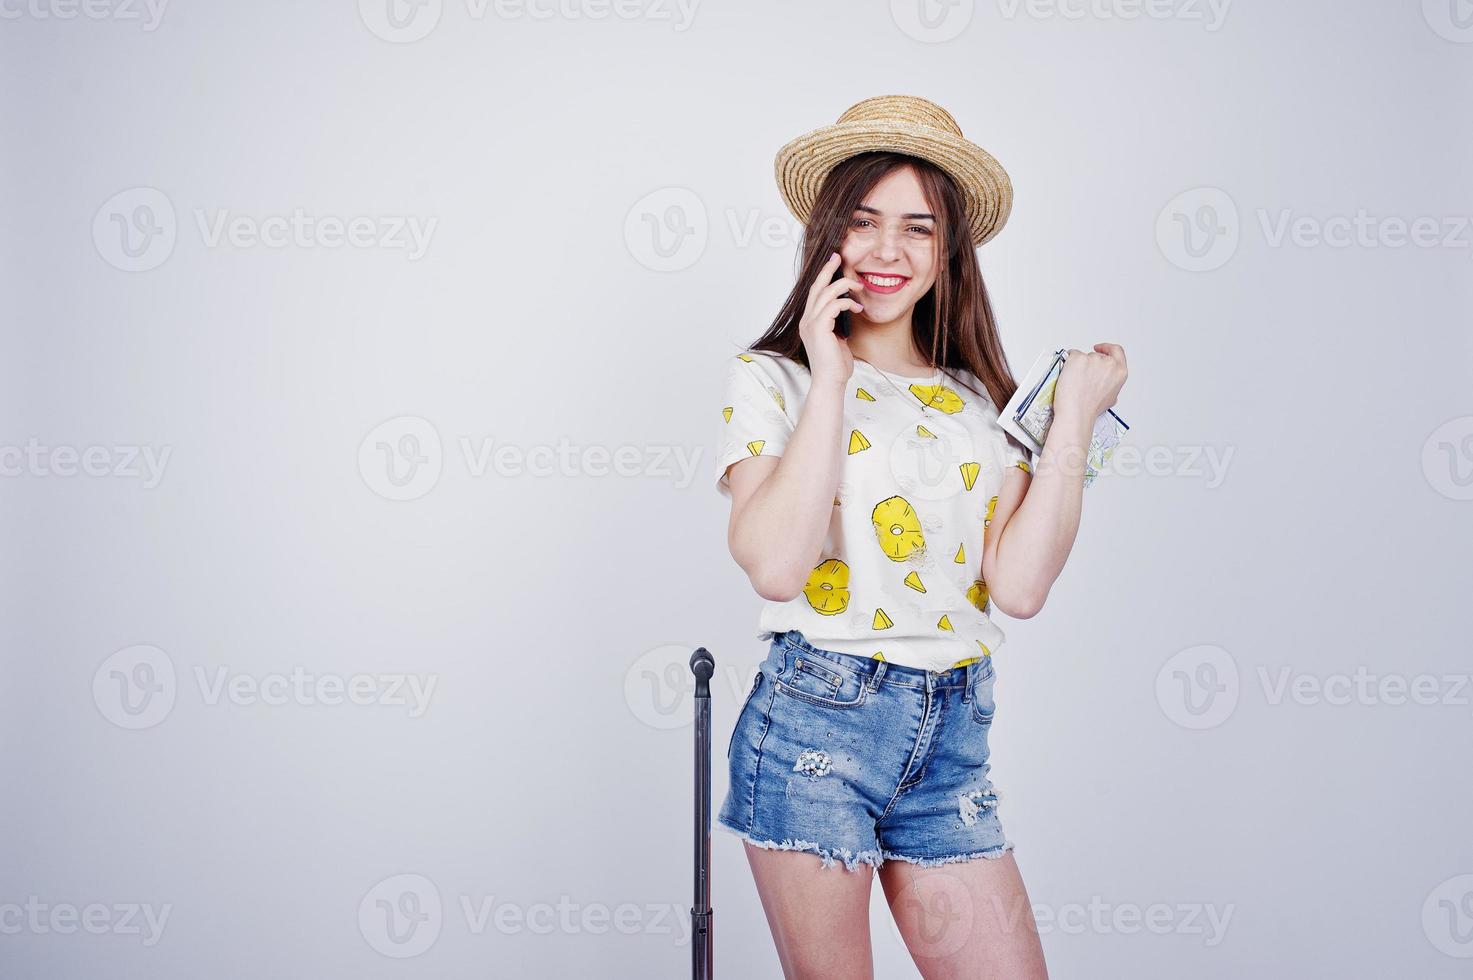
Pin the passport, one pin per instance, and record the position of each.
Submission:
(1030, 412)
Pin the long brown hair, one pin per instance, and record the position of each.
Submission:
(953, 321)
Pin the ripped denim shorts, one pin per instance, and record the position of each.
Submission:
(864, 761)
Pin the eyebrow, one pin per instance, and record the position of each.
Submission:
(914, 214)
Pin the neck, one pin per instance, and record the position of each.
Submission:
(888, 346)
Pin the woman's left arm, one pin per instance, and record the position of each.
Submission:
(1037, 518)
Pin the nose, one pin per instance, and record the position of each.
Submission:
(888, 244)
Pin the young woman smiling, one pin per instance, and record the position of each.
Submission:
(883, 515)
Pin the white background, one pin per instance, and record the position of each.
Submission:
(590, 178)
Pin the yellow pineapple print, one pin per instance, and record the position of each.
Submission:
(882, 622)
(991, 506)
(969, 473)
(827, 590)
(939, 397)
(914, 581)
(977, 595)
(857, 442)
(898, 528)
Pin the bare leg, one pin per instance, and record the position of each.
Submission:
(819, 916)
(969, 919)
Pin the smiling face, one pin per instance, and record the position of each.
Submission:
(890, 246)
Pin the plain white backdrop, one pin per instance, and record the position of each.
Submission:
(357, 422)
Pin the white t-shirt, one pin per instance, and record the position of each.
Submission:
(900, 576)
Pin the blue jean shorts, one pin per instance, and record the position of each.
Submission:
(864, 761)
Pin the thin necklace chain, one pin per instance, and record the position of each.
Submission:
(910, 396)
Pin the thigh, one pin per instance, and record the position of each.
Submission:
(819, 916)
(965, 919)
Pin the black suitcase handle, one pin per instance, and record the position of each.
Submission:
(703, 666)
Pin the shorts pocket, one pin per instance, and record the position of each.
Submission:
(819, 682)
(983, 704)
(742, 711)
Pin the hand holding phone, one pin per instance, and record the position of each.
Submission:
(824, 333)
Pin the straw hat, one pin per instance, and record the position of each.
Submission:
(905, 124)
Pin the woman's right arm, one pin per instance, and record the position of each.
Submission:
(781, 506)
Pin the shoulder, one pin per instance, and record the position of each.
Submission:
(976, 391)
(771, 370)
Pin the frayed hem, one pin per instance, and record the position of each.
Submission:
(991, 855)
(829, 856)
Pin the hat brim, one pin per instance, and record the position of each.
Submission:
(803, 163)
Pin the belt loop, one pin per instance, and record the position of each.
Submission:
(967, 688)
(874, 681)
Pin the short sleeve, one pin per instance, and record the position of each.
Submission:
(1016, 456)
(754, 420)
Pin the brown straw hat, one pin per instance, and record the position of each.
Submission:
(904, 124)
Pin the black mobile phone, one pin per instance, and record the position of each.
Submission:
(841, 322)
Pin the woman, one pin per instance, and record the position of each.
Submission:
(883, 514)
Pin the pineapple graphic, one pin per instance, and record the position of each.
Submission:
(827, 590)
(977, 595)
(939, 397)
(898, 529)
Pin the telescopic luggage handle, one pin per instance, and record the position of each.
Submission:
(703, 666)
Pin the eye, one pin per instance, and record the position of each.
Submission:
(858, 221)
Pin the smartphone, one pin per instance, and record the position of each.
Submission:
(841, 322)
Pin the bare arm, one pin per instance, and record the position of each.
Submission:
(781, 506)
(1037, 519)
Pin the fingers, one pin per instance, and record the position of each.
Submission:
(825, 274)
(832, 307)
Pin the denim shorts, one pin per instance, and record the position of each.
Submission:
(865, 761)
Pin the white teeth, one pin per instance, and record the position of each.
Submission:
(884, 281)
